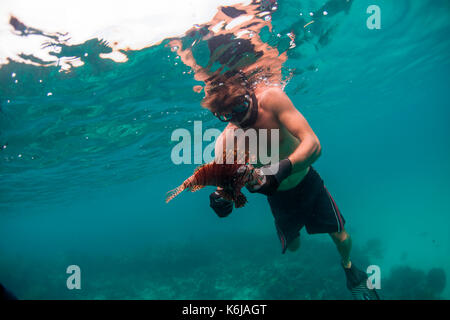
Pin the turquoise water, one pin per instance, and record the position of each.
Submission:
(85, 169)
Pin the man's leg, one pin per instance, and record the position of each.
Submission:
(356, 279)
(294, 245)
(343, 243)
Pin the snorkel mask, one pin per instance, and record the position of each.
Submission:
(239, 113)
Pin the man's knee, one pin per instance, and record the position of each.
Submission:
(340, 237)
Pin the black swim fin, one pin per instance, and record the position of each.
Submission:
(357, 284)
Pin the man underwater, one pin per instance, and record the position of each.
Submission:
(295, 191)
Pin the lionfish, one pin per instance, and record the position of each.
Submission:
(229, 177)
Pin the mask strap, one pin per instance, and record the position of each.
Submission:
(253, 115)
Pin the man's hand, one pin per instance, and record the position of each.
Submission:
(268, 178)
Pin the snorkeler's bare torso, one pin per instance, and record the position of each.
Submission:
(287, 142)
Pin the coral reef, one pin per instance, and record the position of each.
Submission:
(408, 283)
(247, 267)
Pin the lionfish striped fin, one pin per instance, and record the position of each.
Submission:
(199, 167)
(196, 187)
(173, 193)
(233, 156)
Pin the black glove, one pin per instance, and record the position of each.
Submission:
(271, 177)
(222, 207)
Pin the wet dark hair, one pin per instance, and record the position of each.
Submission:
(222, 92)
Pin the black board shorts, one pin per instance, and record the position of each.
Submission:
(308, 204)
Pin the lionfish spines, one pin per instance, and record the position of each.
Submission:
(173, 193)
(228, 176)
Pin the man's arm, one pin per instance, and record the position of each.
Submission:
(309, 149)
